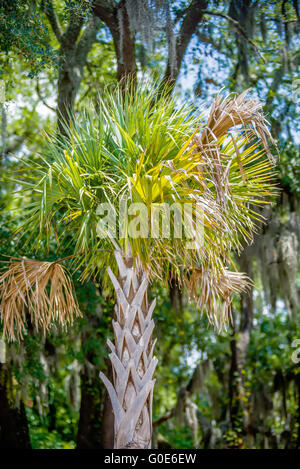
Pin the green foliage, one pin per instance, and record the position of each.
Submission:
(24, 32)
(178, 437)
(28, 48)
(290, 167)
(140, 147)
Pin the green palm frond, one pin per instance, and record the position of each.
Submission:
(145, 147)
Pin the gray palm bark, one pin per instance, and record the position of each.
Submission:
(131, 356)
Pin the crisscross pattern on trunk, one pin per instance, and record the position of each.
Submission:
(131, 357)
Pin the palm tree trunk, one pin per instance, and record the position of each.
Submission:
(132, 357)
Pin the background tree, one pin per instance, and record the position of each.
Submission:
(211, 60)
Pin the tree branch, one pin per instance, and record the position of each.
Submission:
(88, 38)
(48, 9)
(71, 34)
(111, 13)
(38, 90)
(209, 40)
(193, 16)
(277, 80)
(164, 418)
(239, 29)
(106, 10)
(187, 391)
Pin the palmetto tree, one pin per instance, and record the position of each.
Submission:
(145, 148)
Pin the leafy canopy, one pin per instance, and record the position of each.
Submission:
(140, 144)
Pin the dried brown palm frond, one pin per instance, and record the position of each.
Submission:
(234, 111)
(242, 115)
(213, 292)
(42, 291)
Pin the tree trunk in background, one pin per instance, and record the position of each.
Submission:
(89, 425)
(297, 379)
(75, 43)
(193, 16)
(116, 18)
(125, 47)
(234, 403)
(73, 60)
(176, 299)
(68, 84)
(108, 421)
(89, 435)
(132, 357)
(245, 329)
(239, 350)
(14, 432)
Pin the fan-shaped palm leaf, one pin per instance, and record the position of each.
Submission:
(143, 147)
